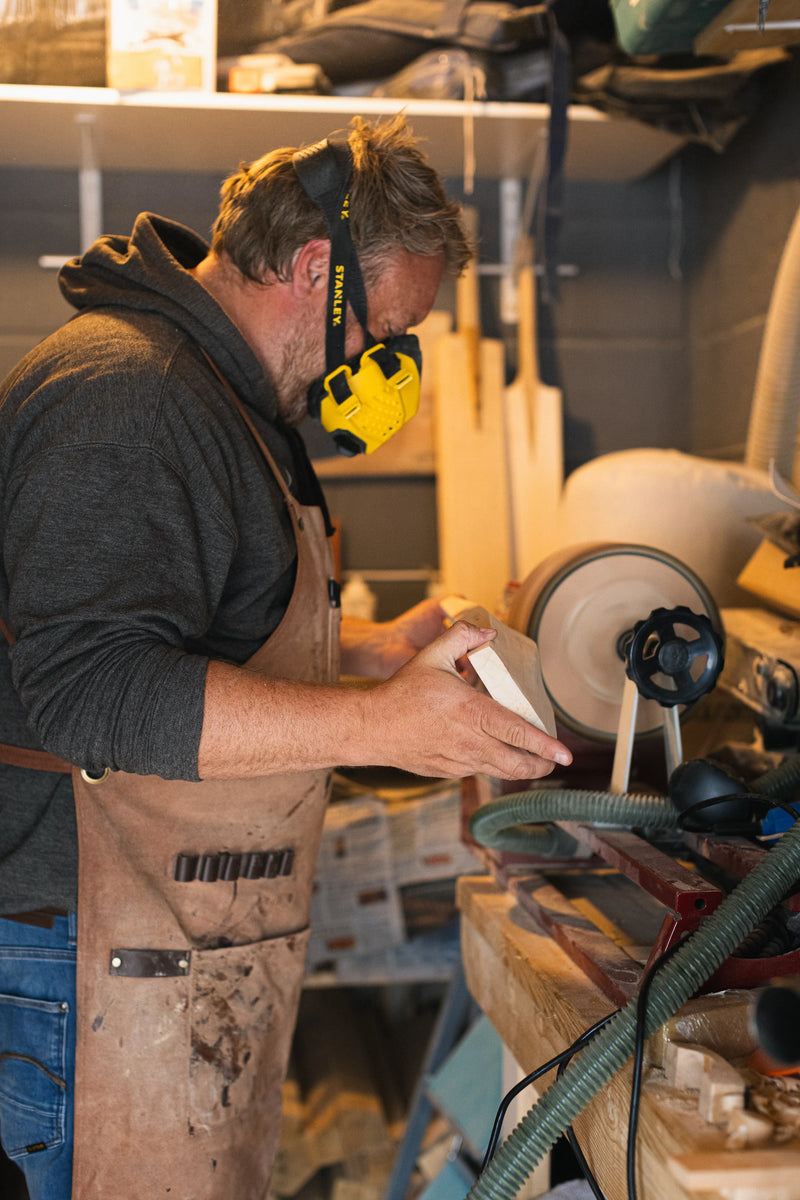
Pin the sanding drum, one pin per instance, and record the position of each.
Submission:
(580, 605)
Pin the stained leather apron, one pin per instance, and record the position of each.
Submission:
(193, 909)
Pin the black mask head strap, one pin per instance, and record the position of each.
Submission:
(326, 171)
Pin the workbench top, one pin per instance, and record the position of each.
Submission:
(540, 1002)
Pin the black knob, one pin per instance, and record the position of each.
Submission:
(690, 666)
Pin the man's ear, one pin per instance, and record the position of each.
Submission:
(310, 270)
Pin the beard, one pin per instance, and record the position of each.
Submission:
(303, 361)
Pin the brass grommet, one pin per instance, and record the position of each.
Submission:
(87, 778)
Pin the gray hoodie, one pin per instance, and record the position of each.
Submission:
(142, 532)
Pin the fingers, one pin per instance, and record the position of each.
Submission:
(433, 723)
(421, 624)
(445, 653)
(513, 748)
(520, 750)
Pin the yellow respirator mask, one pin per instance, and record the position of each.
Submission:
(363, 400)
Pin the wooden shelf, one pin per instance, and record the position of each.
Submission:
(213, 132)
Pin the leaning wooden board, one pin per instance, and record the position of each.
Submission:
(534, 444)
(471, 485)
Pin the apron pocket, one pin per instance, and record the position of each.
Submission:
(32, 1072)
(244, 1006)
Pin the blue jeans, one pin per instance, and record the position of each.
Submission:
(37, 1052)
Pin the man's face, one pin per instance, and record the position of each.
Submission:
(401, 297)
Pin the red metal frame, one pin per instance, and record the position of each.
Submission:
(687, 898)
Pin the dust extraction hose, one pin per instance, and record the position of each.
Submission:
(505, 824)
(696, 959)
(772, 432)
(780, 782)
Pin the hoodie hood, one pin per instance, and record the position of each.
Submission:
(148, 272)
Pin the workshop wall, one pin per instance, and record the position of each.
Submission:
(654, 341)
(615, 341)
(39, 215)
(739, 208)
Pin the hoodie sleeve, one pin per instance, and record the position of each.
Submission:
(112, 569)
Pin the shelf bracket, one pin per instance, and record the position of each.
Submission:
(90, 193)
(510, 226)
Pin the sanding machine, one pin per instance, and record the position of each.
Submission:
(630, 641)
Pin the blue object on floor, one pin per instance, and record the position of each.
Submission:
(452, 1183)
(468, 1087)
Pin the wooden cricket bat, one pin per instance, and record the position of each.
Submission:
(534, 446)
(472, 506)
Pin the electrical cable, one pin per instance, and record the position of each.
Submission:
(561, 1061)
(638, 1061)
(776, 875)
(696, 960)
(731, 827)
(586, 1170)
(580, 1157)
(563, 1057)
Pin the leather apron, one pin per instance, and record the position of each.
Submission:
(193, 911)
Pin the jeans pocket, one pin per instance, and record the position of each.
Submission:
(33, 1036)
(244, 1006)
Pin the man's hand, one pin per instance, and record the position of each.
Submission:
(378, 649)
(427, 720)
(424, 719)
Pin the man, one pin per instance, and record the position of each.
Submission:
(173, 631)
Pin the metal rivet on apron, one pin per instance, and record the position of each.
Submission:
(183, 963)
(87, 778)
(64, 1006)
(116, 961)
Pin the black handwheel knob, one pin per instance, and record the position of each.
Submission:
(674, 656)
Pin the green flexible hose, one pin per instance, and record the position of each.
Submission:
(509, 822)
(696, 959)
(781, 781)
(505, 824)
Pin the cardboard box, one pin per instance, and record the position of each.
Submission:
(162, 45)
(766, 575)
(60, 44)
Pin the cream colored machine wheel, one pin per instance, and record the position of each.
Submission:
(580, 606)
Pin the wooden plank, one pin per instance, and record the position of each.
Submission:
(598, 955)
(500, 942)
(539, 1001)
(508, 667)
(534, 445)
(515, 682)
(472, 500)
(771, 1174)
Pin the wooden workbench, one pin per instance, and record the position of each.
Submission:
(540, 1001)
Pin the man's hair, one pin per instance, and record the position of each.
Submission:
(396, 201)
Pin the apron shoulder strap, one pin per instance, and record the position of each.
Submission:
(257, 436)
